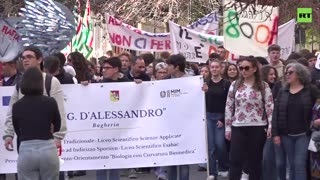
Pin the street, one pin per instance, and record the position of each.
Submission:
(194, 175)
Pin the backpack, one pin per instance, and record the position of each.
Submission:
(47, 83)
(263, 94)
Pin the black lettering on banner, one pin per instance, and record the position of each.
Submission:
(243, 32)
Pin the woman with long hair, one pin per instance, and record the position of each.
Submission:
(248, 119)
(216, 89)
(80, 65)
(290, 131)
(231, 72)
(205, 72)
(270, 75)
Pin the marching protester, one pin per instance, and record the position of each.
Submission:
(274, 58)
(290, 131)
(53, 67)
(10, 75)
(79, 63)
(111, 74)
(161, 71)
(248, 117)
(205, 72)
(270, 75)
(32, 57)
(176, 69)
(231, 72)
(216, 89)
(125, 58)
(137, 70)
(38, 157)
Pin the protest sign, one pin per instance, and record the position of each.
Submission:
(10, 45)
(286, 38)
(195, 46)
(128, 37)
(109, 128)
(208, 24)
(250, 32)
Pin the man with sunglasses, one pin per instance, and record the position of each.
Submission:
(32, 57)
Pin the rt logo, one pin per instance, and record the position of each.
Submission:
(304, 15)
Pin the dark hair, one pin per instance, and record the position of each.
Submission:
(303, 61)
(206, 66)
(165, 55)
(310, 56)
(274, 47)
(266, 70)
(80, 66)
(61, 57)
(220, 47)
(51, 64)
(114, 62)
(258, 84)
(177, 60)
(32, 82)
(34, 49)
(135, 59)
(225, 73)
(214, 56)
(148, 58)
(294, 55)
(263, 61)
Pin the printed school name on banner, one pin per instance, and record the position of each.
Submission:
(256, 29)
(117, 127)
(126, 36)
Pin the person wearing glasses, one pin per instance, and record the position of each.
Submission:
(111, 70)
(290, 131)
(248, 117)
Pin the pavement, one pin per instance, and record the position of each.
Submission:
(194, 175)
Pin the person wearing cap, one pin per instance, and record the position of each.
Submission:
(9, 75)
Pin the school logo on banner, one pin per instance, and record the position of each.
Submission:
(114, 96)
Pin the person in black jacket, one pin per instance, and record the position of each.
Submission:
(111, 70)
(137, 70)
(38, 157)
(53, 67)
(291, 121)
(9, 75)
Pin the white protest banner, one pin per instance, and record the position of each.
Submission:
(110, 127)
(208, 24)
(195, 46)
(128, 37)
(9, 42)
(248, 32)
(286, 38)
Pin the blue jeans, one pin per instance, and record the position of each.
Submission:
(111, 174)
(38, 159)
(281, 161)
(216, 144)
(296, 148)
(173, 174)
(269, 161)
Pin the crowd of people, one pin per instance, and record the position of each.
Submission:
(261, 112)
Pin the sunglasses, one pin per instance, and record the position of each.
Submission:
(246, 68)
(288, 73)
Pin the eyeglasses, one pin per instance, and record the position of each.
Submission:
(288, 73)
(27, 57)
(246, 68)
(107, 67)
